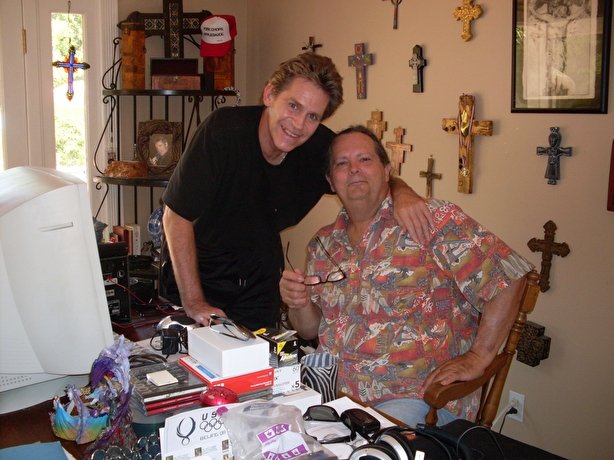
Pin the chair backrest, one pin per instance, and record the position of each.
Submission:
(493, 379)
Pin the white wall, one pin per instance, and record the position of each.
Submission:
(569, 405)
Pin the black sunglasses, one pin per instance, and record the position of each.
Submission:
(323, 413)
(311, 280)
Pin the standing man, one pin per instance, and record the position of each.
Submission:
(248, 173)
(399, 314)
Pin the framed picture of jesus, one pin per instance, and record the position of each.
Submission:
(560, 55)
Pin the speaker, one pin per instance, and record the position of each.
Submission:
(114, 264)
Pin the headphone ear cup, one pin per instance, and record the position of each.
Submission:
(395, 440)
(373, 452)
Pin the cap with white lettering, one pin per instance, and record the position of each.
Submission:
(218, 33)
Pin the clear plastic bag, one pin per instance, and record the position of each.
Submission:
(265, 430)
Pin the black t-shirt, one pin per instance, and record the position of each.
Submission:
(239, 203)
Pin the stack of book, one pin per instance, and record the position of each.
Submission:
(252, 385)
(154, 399)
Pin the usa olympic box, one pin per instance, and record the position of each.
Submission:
(227, 356)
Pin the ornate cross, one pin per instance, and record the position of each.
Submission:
(311, 45)
(554, 152)
(398, 150)
(430, 175)
(71, 65)
(360, 60)
(417, 63)
(466, 127)
(395, 20)
(173, 24)
(377, 124)
(547, 247)
(467, 13)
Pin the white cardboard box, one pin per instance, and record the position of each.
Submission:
(287, 378)
(302, 398)
(227, 356)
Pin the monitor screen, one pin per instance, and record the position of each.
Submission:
(55, 318)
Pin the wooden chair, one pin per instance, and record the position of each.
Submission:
(493, 379)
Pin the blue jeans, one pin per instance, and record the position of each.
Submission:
(413, 411)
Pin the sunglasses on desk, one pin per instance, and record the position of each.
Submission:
(230, 328)
(321, 413)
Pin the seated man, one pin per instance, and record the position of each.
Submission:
(400, 315)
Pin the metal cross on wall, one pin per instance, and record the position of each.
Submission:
(71, 65)
(376, 124)
(467, 13)
(417, 63)
(547, 247)
(430, 176)
(465, 126)
(554, 152)
(311, 45)
(398, 149)
(360, 60)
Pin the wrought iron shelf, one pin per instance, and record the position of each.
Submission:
(134, 181)
(167, 92)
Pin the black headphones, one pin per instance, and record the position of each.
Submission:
(391, 443)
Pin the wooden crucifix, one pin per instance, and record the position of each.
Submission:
(465, 126)
(360, 60)
(395, 19)
(71, 65)
(417, 63)
(430, 176)
(554, 152)
(376, 124)
(547, 247)
(398, 149)
(311, 45)
(172, 24)
(466, 13)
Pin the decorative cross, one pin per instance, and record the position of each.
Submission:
(547, 247)
(311, 45)
(377, 124)
(467, 13)
(398, 150)
(173, 24)
(71, 65)
(395, 20)
(430, 175)
(417, 63)
(360, 60)
(554, 152)
(466, 127)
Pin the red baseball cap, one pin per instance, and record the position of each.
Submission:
(218, 33)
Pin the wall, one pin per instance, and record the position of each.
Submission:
(569, 405)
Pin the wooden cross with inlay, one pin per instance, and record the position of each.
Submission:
(466, 127)
(360, 60)
(376, 124)
(71, 65)
(547, 247)
(173, 24)
(417, 63)
(467, 13)
(311, 45)
(398, 150)
(554, 152)
(430, 176)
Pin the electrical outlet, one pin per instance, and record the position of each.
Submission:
(517, 401)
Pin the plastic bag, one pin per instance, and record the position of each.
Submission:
(262, 429)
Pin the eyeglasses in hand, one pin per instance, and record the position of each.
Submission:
(312, 280)
(234, 330)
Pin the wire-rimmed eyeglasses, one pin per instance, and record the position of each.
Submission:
(231, 329)
(311, 280)
(321, 413)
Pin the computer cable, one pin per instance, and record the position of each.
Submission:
(487, 430)
(144, 359)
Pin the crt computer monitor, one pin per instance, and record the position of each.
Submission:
(54, 318)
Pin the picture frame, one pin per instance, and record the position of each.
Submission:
(560, 56)
(159, 145)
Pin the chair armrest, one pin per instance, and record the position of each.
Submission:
(437, 395)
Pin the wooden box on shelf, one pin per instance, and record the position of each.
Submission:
(174, 73)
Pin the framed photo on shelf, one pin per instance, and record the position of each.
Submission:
(560, 55)
(159, 145)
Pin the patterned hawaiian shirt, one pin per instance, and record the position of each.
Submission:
(403, 308)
